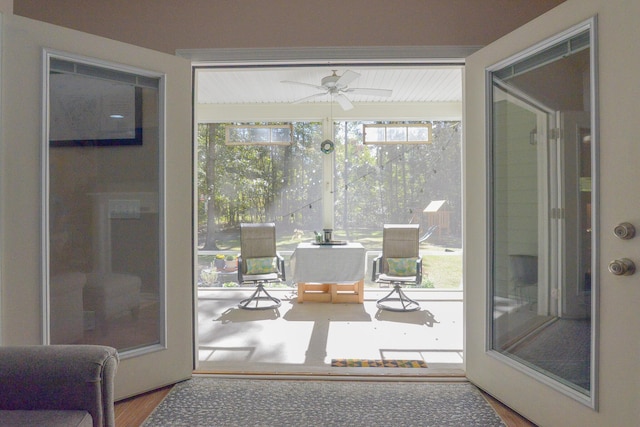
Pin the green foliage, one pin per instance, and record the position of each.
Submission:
(374, 184)
(257, 183)
(379, 184)
(209, 276)
(427, 284)
(230, 285)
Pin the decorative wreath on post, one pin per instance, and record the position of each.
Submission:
(326, 147)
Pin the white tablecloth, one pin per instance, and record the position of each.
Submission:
(328, 264)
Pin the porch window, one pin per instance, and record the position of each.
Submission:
(393, 180)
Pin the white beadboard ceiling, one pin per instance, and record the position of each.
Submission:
(409, 84)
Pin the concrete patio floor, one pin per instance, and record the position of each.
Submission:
(302, 339)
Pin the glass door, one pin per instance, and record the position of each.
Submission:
(540, 212)
(97, 156)
(549, 332)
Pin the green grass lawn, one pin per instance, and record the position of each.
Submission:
(441, 269)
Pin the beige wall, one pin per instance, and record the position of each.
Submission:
(6, 6)
(167, 25)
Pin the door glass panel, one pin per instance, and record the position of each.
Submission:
(542, 209)
(104, 226)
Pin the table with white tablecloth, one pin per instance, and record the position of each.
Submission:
(329, 273)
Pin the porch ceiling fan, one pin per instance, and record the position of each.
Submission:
(338, 86)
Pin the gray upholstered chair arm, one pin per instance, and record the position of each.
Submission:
(60, 377)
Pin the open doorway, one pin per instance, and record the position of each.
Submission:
(249, 172)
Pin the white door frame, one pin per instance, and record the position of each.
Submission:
(321, 56)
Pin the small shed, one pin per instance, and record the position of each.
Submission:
(438, 213)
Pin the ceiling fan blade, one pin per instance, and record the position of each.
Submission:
(305, 84)
(369, 91)
(308, 98)
(343, 101)
(346, 78)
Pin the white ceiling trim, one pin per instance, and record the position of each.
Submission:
(329, 55)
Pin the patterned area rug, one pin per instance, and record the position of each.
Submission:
(208, 401)
(377, 363)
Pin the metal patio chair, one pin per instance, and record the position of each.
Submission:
(400, 264)
(259, 263)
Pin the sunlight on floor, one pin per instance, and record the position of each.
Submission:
(304, 338)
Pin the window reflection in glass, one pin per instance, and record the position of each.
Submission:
(104, 253)
(542, 208)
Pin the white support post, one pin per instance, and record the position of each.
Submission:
(327, 179)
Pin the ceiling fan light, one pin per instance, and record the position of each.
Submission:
(330, 81)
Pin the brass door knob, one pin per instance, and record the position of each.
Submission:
(624, 231)
(622, 267)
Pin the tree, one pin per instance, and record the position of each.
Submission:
(257, 182)
(374, 184)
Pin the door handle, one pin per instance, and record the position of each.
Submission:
(624, 231)
(622, 267)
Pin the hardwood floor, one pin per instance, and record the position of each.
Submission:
(133, 411)
(510, 417)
